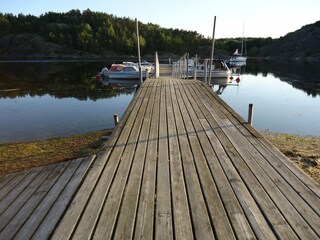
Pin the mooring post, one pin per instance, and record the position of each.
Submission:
(116, 119)
(156, 65)
(250, 114)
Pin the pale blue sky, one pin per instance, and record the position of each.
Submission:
(262, 18)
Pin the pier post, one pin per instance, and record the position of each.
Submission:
(116, 119)
(156, 66)
(250, 114)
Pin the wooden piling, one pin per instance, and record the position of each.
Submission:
(116, 119)
(250, 114)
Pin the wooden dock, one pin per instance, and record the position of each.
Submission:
(181, 164)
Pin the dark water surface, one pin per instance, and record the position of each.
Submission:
(285, 94)
(47, 99)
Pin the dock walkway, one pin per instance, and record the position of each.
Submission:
(181, 164)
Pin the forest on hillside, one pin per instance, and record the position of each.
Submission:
(98, 33)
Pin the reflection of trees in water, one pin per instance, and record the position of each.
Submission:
(60, 80)
(301, 75)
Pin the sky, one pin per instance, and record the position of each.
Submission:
(234, 18)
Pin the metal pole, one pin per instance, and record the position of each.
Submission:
(187, 68)
(212, 48)
(195, 68)
(138, 46)
(205, 68)
(250, 114)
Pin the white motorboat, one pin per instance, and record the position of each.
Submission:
(219, 69)
(128, 72)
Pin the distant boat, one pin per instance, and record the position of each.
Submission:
(128, 72)
(105, 72)
(240, 56)
(219, 70)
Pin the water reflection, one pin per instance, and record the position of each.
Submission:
(59, 80)
(301, 75)
(48, 99)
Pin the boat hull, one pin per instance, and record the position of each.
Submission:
(215, 73)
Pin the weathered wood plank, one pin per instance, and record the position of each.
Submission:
(86, 193)
(199, 212)
(106, 224)
(19, 202)
(4, 179)
(286, 199)
(217, 217)
(272, 214)
(21, 183)
(126, 220)
(181, 212)
(164, 229)
(144, 228)
(183, 165)
(46, 227)
(31, 204)
(255, 173)
(21, 177)
(304, 178)
(40, 211)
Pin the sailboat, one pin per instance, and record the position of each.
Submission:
(240, 57)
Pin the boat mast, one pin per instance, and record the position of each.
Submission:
(242, 41)
(212, 48)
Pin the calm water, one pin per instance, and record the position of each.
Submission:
(49, 99)
(43, 100)
(286, 96)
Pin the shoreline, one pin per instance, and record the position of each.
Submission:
(304, 151)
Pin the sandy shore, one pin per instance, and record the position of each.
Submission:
(302, 150)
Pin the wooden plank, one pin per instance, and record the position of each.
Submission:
(272, 214)
(5, 179)
(17, 186)
(163, 219)
(219, 218)
(282, 193)
(144, 228)
(280, 163)
(305, 179)
(199, 212)
(46, 228)
(5, 190)
(32, 223)
(19, 202)
(105, 225)
(81, 201)
(292, 188)
(254, 173)
(124, 228)
(31, 204)
(181, 212)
